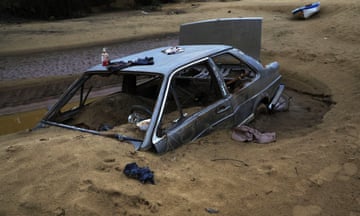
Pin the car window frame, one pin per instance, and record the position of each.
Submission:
(217, 76)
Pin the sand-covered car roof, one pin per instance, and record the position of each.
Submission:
(164, 62)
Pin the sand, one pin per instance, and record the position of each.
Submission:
(312, 168)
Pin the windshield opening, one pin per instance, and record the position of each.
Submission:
(115, 102)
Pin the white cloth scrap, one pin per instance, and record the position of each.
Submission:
(247, 134)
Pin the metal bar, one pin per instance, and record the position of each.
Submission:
(136, 142)
(276, 97)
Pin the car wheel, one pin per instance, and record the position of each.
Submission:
(261, 109)
(139, 113)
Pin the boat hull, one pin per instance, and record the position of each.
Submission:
(307, 10)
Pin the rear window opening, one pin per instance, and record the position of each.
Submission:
(237, 75)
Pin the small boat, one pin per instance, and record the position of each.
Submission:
(307, 10)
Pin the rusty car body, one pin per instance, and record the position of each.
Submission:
(165, 97)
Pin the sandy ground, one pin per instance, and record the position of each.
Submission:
(312, 168)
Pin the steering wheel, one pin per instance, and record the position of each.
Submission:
(139, 113)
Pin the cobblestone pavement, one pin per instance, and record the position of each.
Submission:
(72, 61)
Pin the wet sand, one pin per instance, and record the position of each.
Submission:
(312, 168)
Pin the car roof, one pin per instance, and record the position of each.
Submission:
(166, 63)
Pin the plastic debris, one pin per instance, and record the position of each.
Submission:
(211, 210)
(143, 125)
(105, 58)
(173, 50)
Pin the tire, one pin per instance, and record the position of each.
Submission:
(261, 109)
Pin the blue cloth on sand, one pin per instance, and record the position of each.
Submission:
(143, 174)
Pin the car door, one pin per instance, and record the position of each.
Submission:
(198, 94)
(240, 79)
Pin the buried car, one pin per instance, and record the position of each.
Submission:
(166, 97)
